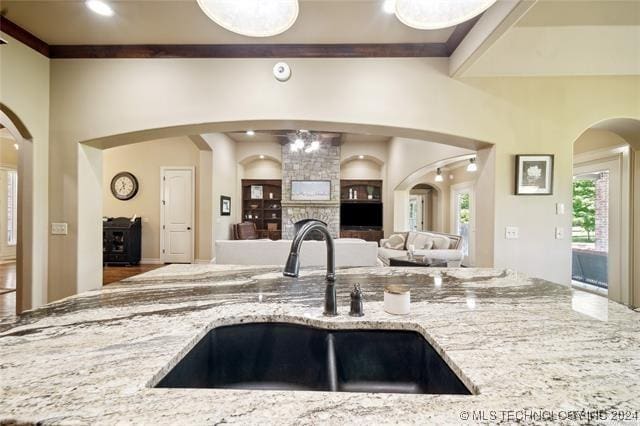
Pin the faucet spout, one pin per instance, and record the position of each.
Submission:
(292, 266)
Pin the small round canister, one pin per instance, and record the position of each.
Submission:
(397, 299)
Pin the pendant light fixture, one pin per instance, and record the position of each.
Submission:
(439, 177)
(437, 14)
(252, 18)
(472, 167)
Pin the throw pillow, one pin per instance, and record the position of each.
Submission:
(395, 242)
(441, 242)
(420, 241)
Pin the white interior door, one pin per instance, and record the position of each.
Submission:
(177, 215)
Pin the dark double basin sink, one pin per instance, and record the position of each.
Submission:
(275, 356)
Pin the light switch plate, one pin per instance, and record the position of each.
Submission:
(511, 233)
(559, 233)
(59, 229)
(560, 208)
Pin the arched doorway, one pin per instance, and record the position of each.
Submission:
(30, 292)
(605, 210)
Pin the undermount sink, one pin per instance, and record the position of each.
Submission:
(276, 356)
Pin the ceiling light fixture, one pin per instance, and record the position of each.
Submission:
(99, 7)
(361, 157)
(304, 140)
(16, 146)
(472, 167)
(250, 133)
(439, 177)
(436, 14)
(389, 6)
(252, 18)
(262, 157)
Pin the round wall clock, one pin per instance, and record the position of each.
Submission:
(124, 186)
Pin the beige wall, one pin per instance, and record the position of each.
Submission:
(360, 169)
(518, 115)
(144, 160)
(225, 182)
(595, 139)
(24, 88)
(263, 169)
(8, 153)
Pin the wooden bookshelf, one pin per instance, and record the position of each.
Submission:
(266, 211)
(360, 191)
(353, 191)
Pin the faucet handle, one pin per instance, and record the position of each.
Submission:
(357, 308)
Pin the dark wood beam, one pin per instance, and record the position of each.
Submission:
(142, 51)
(23, 36)
(459, 34)
(391, 50)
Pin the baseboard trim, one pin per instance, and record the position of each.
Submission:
(204, 261)
(151, 262)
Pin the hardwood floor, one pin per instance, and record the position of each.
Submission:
(112, 274)
(7, 289)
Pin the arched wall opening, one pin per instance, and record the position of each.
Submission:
(456, 180)
(606, 205)
(191, 154)
(31, 289)
(86, 273)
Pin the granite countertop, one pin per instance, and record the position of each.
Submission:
(515, 342)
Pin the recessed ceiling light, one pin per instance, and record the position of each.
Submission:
(436, 14)
(99, 7)
(262, 157)
(361, 157)
(389, 6)
(253, 18)
(250, 133)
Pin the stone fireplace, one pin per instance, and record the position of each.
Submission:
(323, 164)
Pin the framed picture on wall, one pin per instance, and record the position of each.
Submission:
(310, 190)
(534, 174)
(256, 192)
(225, 205)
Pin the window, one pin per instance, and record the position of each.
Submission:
(12, 207)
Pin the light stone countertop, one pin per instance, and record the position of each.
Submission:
(515, 342)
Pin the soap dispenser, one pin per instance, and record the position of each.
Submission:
(357, 308)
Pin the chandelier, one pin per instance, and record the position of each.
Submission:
(304, 140)
(436, 14)
(253, 18)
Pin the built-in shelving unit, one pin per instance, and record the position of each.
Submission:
(366, 192)
(263, 207)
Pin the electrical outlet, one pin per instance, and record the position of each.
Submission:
(559, 233)
(59, 229)
(511, 233)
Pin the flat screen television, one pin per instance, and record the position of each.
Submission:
(359, 215)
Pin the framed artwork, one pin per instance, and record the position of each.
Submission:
(311, 190)
(225, 205)
(256, 192)
(534, 174)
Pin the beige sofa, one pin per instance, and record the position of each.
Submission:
(452, 254)
(348, 251)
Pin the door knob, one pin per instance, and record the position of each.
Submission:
(188, 228)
